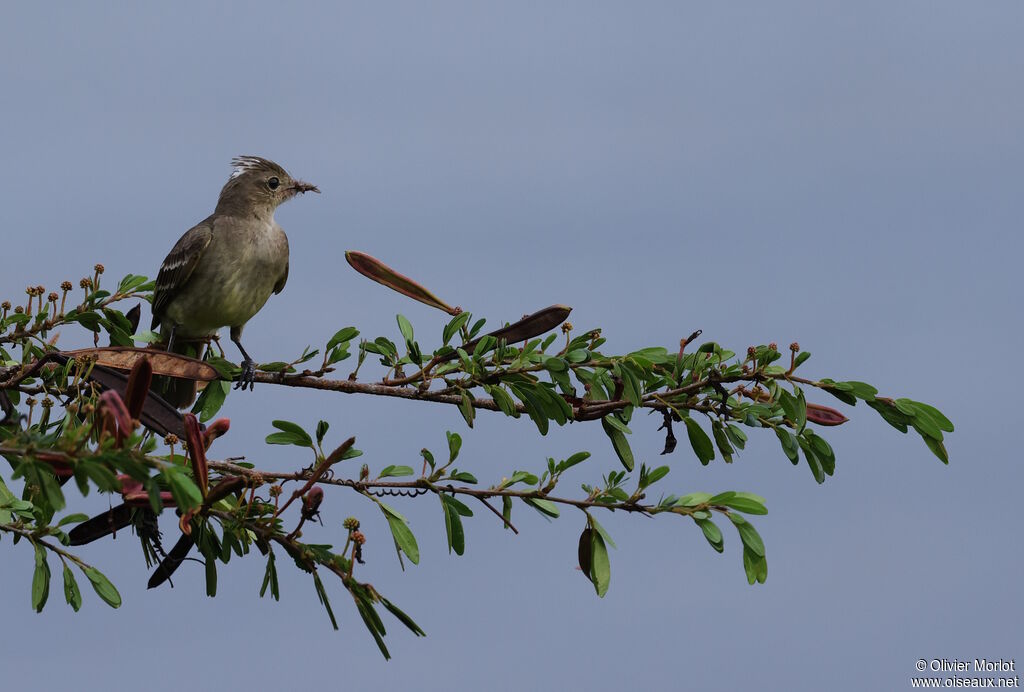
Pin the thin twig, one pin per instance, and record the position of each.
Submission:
(485, 493)
(501, 516)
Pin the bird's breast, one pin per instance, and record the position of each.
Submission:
(241, 266)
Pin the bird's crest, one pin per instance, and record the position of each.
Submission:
(244, 164)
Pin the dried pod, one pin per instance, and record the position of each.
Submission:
(196, 452)
(225, 487)
(135, 494)
(62, 468)
(114, 416)
(824, 415)
(373, 268)
(137, 389)
(215, 430)
(311, 502)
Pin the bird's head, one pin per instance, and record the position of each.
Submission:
(259, 185)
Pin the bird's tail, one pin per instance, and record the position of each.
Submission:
(180, 392)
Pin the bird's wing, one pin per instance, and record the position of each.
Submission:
(279, 286)
(178, 266)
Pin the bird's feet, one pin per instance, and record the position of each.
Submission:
(248, 376)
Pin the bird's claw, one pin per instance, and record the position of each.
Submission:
(247, 379)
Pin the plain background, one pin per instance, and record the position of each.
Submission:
(846, 175)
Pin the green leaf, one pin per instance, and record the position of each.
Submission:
(453, 527)
(342, 336)
(545, 507)
(321, 593)
(211, 399)
(712, 533)
(453, 327)
(801, 358)
(225, 368)
(632, 389)
(939, 420)
(393, 470)
(486, 344)
(466, 408)
(530, 399)
(693, 499)
(270, 579)
(373, 625)
(844, 395)
(504, 401)
(736, 436)
(600, 566)
(938, 449)
(146, 336)
(577, 458)
(211, 576)
(185, 492)
(813, 462)
(722, 440)
(823, 451)
(130, 282)
(71, 593)
(748, 534)
(656, 475)
(555, 364)
(276, 366)
(748, 503)
(700, 441)
(458, 506)
(454, 445)
(654, 354)
(616, 422)
(402, 617)
(89, 320)
(789, 445)
(801, 415)
(321, 431)
(428, 456)
(405, 541)
(920, 419)
(103, 588)
(40, 580)
(862, 390)
(520, 477)
(463, 476)
(720, 498)
(600, 529)
(788, 403)
(405, 327)
(337, 355)
(756, 566)
(579, 355)
(891, 415)
(291, 434)
(73, 519)
(383, 346)
(619, 443)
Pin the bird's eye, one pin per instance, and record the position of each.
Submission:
(273, 183)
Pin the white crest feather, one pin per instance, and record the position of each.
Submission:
(245, 163)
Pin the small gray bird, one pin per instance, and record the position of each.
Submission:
(222, 271)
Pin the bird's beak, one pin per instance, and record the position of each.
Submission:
(300, 186)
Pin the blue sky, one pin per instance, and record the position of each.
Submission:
(844, 175)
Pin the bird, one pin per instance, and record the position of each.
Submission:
(223, 270)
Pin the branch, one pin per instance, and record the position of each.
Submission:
(34, 538)
(479, 493)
